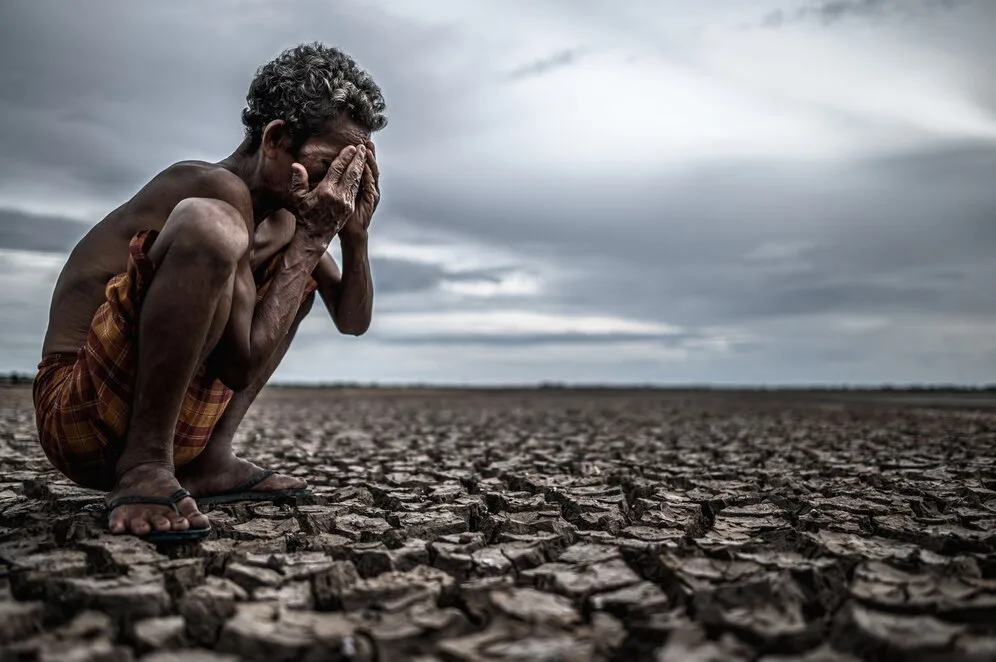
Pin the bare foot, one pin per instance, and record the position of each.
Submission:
(215, 473)
(151, 480)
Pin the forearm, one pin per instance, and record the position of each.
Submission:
(353, 306)
(274, 314)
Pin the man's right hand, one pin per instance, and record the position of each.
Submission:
(322, 211)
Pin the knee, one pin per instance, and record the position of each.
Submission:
(209, 233)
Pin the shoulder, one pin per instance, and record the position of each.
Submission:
(196, 179)
(207, 180)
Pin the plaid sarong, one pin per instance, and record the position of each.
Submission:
(83, 399)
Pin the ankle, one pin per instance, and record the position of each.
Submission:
(128, 466)
(213, 452)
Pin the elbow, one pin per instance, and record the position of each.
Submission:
(353, 330)
(237, 380)
(233, 374)
(240, 383)
(352, 327)
(231, 363)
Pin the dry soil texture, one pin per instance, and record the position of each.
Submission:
(544, 526)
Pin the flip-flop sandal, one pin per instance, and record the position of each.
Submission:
(162, 536)
(242, 492)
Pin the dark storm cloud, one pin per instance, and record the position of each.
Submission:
(119, 92)
(556, 61)
(46, 234)
(534, 339)
(405, 276)
(919, 240)
(394, 275)
(829, 12)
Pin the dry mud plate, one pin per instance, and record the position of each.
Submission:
(534, 526)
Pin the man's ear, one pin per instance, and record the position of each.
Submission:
(276, 137)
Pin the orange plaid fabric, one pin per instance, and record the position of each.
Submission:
(83, 399)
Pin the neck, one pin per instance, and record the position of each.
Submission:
(245, 163)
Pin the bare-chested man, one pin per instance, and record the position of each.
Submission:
(172, 312)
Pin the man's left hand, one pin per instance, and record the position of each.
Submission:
(358, 224)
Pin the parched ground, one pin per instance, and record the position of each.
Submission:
(548, 525)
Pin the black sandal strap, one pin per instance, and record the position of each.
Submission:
(178, 496)
(129, 500)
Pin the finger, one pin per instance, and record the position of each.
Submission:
(340, 164)
(372, 162)
(351, 178)
(369, 181)
(299, 180)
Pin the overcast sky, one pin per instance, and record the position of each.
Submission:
(719, 191)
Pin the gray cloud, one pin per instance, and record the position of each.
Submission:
(828, 12)
(397, 276)
(539, 67)
(107, 109)
(400, 276)
(918, 243)
(46, 234)
(528, 339)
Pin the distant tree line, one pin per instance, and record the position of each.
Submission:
(563, 386)
(15, 378)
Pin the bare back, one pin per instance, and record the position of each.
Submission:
(103, 252)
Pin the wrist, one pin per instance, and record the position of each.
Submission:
(308, 246)
(353, 239)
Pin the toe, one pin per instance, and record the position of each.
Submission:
(117, 522)
(179, 523)
(281, 482)
(161, 523)
(197, 519)
(139, 526)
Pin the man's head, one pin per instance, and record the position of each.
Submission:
(307, 104)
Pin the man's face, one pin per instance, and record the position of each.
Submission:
(322, 148)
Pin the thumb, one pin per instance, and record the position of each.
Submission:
(299, 181)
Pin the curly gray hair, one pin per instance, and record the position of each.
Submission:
(308, 85)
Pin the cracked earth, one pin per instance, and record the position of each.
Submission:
(549, 526)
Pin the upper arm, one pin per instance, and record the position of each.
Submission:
(329, 279)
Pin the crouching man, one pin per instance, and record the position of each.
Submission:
(173, 311)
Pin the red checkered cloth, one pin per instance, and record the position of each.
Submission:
(83, 399)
